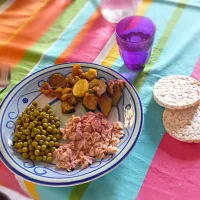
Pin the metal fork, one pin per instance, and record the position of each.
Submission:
(5, 76)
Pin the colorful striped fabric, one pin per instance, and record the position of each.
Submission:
(35, 34)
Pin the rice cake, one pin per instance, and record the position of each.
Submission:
(183, 125)
(177, 92)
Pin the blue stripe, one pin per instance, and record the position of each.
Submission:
(67, 36)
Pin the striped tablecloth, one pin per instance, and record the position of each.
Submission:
(35, 34)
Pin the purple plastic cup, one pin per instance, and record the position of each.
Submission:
(135, 36)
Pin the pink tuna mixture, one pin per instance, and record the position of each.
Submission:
(90, 137)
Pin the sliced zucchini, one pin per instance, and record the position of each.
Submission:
(90, 101)
(67, 108)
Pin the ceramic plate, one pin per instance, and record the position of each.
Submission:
(129, 112)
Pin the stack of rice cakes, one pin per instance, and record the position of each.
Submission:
(180, 95)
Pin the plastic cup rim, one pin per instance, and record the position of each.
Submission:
(132, 17)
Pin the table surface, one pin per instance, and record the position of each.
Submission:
(35, 34)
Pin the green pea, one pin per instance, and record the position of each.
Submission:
(27, 120)
(49, 159)
(45, 125)
(15, 139)
(30, 141)
(37, 152)
(34, 144)
(53, 149)
(33, 135)
(42, 114)
(15, 145)
(51, 143)
(47, 106)
(38, 147)
(49, 129)
(23, 137)
(42, 153)
(50, 111)
(57, 124)
(25, 155)
(44, 132)
(18, 127)
(19, 122)
(43, 147)
(32, 117)
(39, 123)
(56, 119)
(58, 137)
(51, 136)
(41, 142)
(18, 134)
(40, 128)
(46, 143)
(44, 158)
(26, 132)
(34, 103)
(44, 121)
(30, 148)
(49, 124)
(19, 145)
(25, 144)
(51, 117)
(26, 125)
(35, 122)
(25, 149)
(38, 137)
(43, 137)
(48, 139)
(38, 158)
(22, 128)
(54, 131)
(56, 144)
(32, 157)
(37, 131)
(28, 137)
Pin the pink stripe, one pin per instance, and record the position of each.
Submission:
(196, 72)
(93, 42)
(7, 179)
(175, 170)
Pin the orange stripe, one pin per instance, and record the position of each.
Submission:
(31, 187)
(79, 37)
(16, 15)
(14, 51)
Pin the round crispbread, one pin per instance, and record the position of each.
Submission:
(177, 92)
(183, 125)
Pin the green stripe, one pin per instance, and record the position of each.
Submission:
(142, 76)
(78, 191)
(32, 55)
(2, 2)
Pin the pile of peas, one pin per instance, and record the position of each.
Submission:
(37, 133)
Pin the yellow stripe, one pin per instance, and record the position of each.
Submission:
(31, 187)
(114, 52)
(23, 25)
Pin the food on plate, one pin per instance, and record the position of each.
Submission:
(80, 88)
(57, 80)
(115, 88)
(105, 103)
(183, 125)
(67, 108)
(98, 86)
(37, 133)
(90, 102)
(180, 95)
(177, 92)
(87, 138)
(85, 87)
